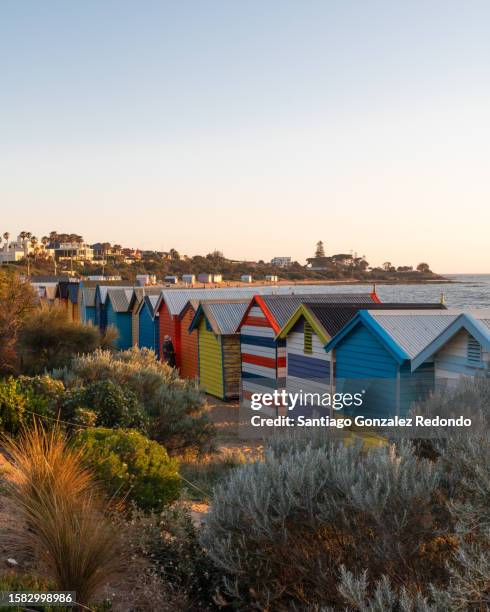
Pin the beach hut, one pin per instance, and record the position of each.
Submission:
(171, 279)
(215, 323)
(189, 345)
(73, 302)
(375, 352)
(149, 329)
(189, 279)
(138, 295)
(173, 301)
(462, 350)
(311, 327)
(87, 305)
(263, 354)
(118, 313)
(246, 278)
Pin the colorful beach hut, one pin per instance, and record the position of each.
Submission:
(118, 313)
(148, 326)
(138, 295)
(462, 350)
(87, 305)
(263, 353)
(312, 326)
(215, 323)
(374, 355)
(189, 343)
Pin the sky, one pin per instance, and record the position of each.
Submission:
(256, 128)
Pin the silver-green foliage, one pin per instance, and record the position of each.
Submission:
(281, 529)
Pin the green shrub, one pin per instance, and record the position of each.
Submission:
(44, 396)
(176, 409)
(180, 420)
(283, 527)
(170, 540)
(112, 405)
(12, 405)
(132, 467)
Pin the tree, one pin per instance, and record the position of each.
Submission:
(320, 251)
(423, 267)
(18, 299)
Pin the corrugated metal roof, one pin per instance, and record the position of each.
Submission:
(414, 330)
(282, 308)
(176, 299)
(88, 296)
(120, 298)
(224, 317)
(333, 317)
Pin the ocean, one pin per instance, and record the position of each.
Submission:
(467, 291)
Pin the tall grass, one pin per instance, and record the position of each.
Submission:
(68, 523)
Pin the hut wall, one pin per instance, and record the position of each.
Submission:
(210, 361)
(189, 346)
(231, 366)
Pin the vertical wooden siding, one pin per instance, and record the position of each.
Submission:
(210, 361)
(146, 331)
(189, 346)
(169, 326)
(231, 366)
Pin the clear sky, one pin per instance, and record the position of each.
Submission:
(256, 127)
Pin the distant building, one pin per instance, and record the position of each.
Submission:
(205, 278)
(73, 251)
(246, 278)
(15, 250)
(281, 262)
(146, 279)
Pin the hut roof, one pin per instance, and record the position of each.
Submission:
(222, 316)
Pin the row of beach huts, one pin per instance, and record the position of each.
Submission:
(241, 341)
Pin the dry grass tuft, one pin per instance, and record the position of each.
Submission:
(69, 524)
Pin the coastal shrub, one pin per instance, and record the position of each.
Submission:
(131, 466)
(69, 528)
(44, 397)
(12, 405)
(176, 409)
(301, 516)
(48, 339)
(170, 540)
(112, 405)
(180, 420)
(202, 472)
(134, 369)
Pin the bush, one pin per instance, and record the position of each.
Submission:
(171, 541)
(48, 339)
(112, 406)
(12, 405)
(180, 420)
(44, 397)
(132, 467)
(176, 408)
(283, 528)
